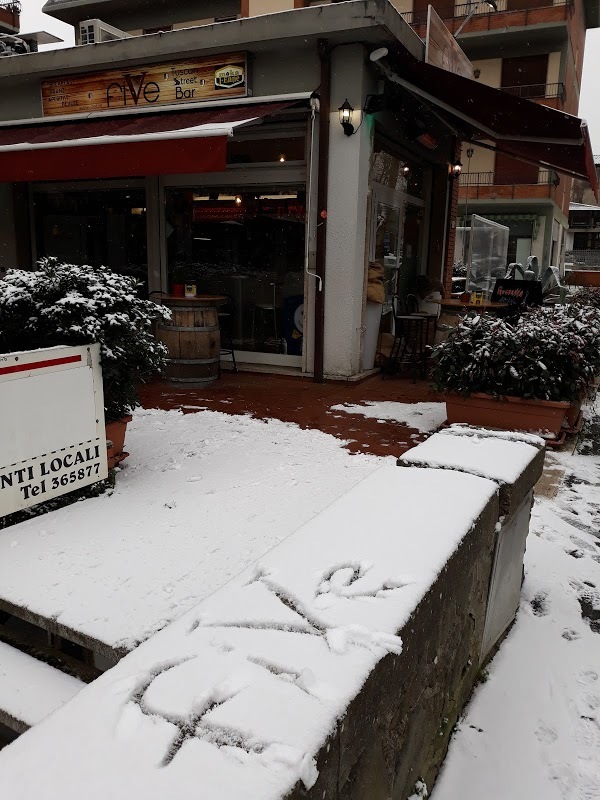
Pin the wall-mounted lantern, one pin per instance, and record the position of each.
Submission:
(346, 112)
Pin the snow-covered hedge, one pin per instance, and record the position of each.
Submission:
(70, 304)
(587, 296)
(546, 354)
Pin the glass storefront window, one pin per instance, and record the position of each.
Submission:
(100, 228)
(248, 246)
(276, 150)
(403, 175)
(388, 248)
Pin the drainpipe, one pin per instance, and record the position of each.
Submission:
(323, 167)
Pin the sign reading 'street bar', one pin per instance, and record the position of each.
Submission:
(174, 82)
(52, 434)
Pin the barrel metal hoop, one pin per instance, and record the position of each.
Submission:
(193, 360)
(210, 379)
(207, 329)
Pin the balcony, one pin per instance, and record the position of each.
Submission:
(10, 16)
(549, 94)
(510, 13)
(494, 186)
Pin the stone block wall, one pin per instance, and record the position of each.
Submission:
(397, 729)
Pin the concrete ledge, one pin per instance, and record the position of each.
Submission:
(292, 681)
(514, 461)
(30, 690)
(397, 729)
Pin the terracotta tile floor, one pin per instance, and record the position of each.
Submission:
(300, 400)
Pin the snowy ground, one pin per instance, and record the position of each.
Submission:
(532, 730)
(201, 496)
(190, 514)
(423, 417)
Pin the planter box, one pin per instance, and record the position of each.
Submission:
(508, 413)
(115, 432)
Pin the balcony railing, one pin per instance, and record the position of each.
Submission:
(546, 177)
(537, 91)
(14, 6)
(481, 9)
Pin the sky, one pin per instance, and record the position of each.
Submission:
(32, 19)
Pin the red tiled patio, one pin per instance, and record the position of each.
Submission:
(308, 404)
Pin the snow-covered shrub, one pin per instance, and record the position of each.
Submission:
(587, 296)
(546, 354)
(74, 305)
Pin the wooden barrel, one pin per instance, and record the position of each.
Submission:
(193, 340)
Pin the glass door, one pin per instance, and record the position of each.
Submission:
(387, 247)
(249, 247)
(397, 238)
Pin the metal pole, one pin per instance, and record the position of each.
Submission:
(469, 155)
(322, 180)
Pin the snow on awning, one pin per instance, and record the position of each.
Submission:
(520, 128)
(146, 144)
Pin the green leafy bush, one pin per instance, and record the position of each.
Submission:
(546, 354)
(73, 305)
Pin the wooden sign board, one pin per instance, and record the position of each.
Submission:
(189, 81)
(441, 48)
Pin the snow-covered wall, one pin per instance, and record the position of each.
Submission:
(334, 668)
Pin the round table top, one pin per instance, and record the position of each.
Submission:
(457, 303)
(199, 299)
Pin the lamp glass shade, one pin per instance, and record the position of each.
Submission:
(345, 112)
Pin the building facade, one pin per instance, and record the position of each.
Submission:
(532, 49)
(258, 150)
(275, 209)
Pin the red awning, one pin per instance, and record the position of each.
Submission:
(518, 127)
(166, 143)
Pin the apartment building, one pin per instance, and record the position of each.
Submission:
(10, 13)
(532, 49)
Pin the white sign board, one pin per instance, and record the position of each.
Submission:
(52, 435)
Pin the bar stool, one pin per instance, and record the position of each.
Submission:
(226, 316)
(267, 313)
(410, 341)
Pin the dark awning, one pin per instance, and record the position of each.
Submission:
(161, 143)
(521, 128)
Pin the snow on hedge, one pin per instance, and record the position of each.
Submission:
(234, 700)
(546, 354)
